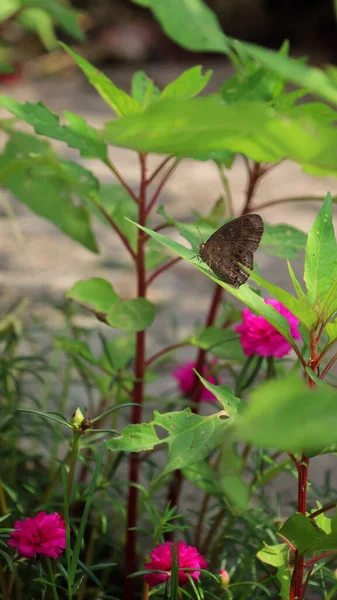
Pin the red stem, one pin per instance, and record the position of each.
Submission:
(131, 538)
(158, 169)
(160, 186)
(328, 366)
(163, 268)
(163, 351)
(259, 207)
(312, 561)
(117, 174)
(322, 510)
(254, 173)
(118, 231)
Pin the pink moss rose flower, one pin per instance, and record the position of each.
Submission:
(257, 336)
(188, 557)
(185, 378)
(43, 534)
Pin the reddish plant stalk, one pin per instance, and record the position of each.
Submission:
(131, 551)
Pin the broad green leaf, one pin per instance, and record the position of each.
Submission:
(301, 310)
(41, 23)
(188, 84)
(231, 404)
(202, 125)
(244, 293)
(82, 137)
(313, 79)
(120, 101)
(282, 240)
(276, 556)
(190, 23)
(121, 351)
(143, 89)
(28, 167)
(320, 271)
(303, 534)
(220, 342)
(189, 437)
(331, 329)
(98, 295)
(286, 414)
(66, 18)
(8, 8)
(132, 315)
(297, 286)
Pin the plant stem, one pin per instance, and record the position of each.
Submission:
(72, 463)
(158, 169)
(121, 179)
(284, 200)
(254, 173)
(161, 185)
(164, 351)
(139, 372)
(163, 268)
(52, 579)
(117, 230)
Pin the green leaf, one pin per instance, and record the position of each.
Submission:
(302, 533)
(313, 79)
(76, 348)
(132, 315)
(320, 270)
(244, 293)
(301, 310)
(98, 295)
(8, 8)
(80, 135)
(283, 240)
(231, 404)
(204, 477)
(120, 101)
(41, 23)
(287, 415)
(297, 286)
(206, 124)
(143, 89)
(190, 23)
(188, 84)
(331, 329)
(219, 342)
(276, 556)
(189, 437)
(49, 187)
(66, 18)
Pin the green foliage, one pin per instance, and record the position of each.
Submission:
(98, 295)
(189, 84)
(284, 414)
(189, 437)
(320, 270)
(190, 23)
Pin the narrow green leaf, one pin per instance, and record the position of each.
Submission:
(41, 23)
(297, 286)
(301, 310)
(320, 270)
(8, 8)
(331, 329)
(231, 404)
(120, 101)
(284, 414)
(188, 84)
(63, 16)
(49, 416)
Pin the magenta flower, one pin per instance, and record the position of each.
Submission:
(43, 534)
(257, 336)
(185, 377)
(188, 557)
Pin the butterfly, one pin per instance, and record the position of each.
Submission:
(231, 246)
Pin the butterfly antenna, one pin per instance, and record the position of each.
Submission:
(202, 241)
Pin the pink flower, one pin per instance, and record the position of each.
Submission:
(185, 377)
(257, 336)
(188, 557)
(43, 534)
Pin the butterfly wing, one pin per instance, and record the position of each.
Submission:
(234, 243)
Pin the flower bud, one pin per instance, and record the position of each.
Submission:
(77, 418)
(224, 578)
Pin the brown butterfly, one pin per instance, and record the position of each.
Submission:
(233, 243)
